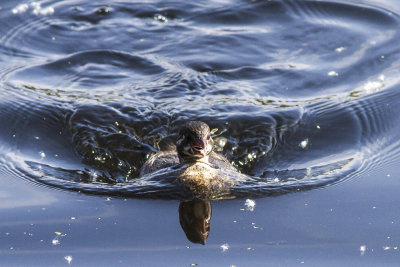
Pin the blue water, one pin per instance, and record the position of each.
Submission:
(302, 97)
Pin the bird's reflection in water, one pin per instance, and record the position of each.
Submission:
(194, 217)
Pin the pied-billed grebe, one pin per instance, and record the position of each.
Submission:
(200, 167)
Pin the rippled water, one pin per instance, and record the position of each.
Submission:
(300, 94)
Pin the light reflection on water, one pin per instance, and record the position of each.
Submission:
(301, 94)
(282, 85)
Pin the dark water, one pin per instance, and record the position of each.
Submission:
(302, 96)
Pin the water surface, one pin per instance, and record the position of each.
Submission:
(302, 97)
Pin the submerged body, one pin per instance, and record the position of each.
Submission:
(198, 167)
(170, 158)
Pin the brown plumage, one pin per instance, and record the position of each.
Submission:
(199, 167)
(194, 144)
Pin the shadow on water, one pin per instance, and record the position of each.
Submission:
(299, 95)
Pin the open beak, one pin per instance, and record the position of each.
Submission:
(199, 146)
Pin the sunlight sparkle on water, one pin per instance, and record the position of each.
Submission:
(333, 73)
(38, 10)
(250, 204)
(374, 86)
(68, 259)
(363, 248)
(161, 18)
(94, 175)
(21, 8)
(36, 7)
(224, 247)
(304, 143)
(340, 49)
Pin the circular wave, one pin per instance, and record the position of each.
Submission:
(300, 94)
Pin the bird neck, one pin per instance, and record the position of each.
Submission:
(184, 160)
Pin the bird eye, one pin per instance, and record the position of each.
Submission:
(208, 137)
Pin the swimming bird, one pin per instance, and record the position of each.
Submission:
(201, 169)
